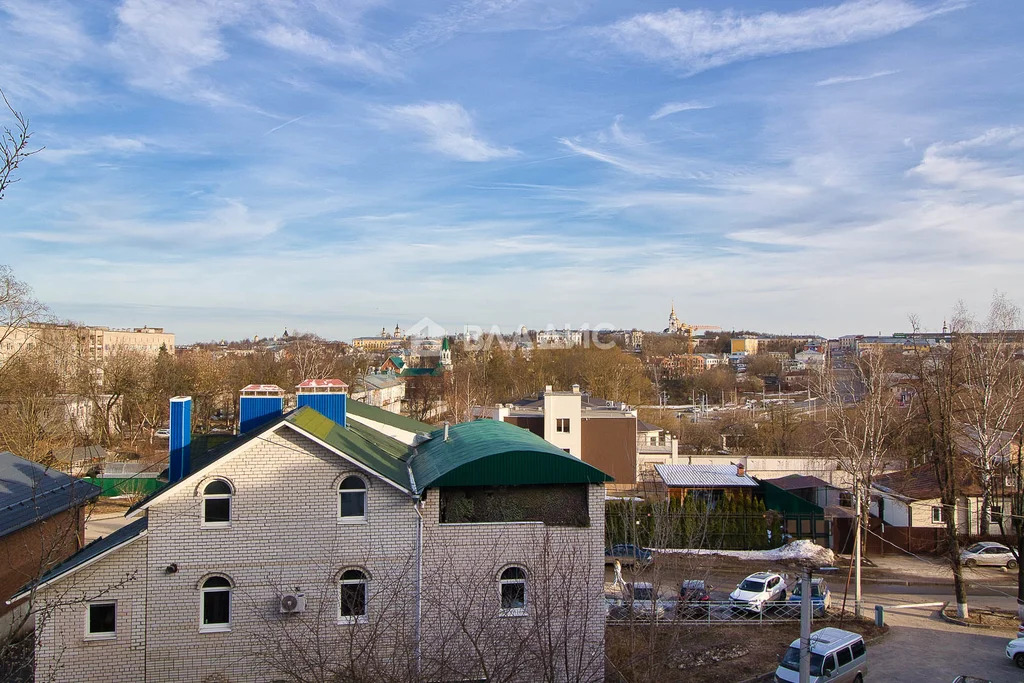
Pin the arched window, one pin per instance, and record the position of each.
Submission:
(352, 597)
(512, 588)
(352, 500)
(216, 605)
(217, 504)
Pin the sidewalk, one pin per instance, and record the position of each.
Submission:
(927, 571)
(103, 524)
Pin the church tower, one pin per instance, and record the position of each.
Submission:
(673, 321)
(446, 354)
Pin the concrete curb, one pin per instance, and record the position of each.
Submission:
(960, 622)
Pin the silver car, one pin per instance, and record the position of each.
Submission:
(988, 553)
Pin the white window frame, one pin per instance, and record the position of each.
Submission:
(101, 635)
(347, 619)
(940, 515)
(223, 627)
(514, 611)
(218, 496)
(353, 519)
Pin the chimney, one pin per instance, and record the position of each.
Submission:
(547, 388)
(446, 431)
(259, 404)
(179, 447)
(575, 388)
(326, 396)
(740, 469)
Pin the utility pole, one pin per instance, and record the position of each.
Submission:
(856, 558)
(805, 626)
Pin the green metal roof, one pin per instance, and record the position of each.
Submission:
(493, 453)
(377, 452)
(398, 361)
(422, 372)
(360, 409)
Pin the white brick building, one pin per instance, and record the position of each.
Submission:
(409, 554)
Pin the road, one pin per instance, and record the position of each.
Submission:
(103, 524)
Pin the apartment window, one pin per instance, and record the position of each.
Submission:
(101, 621)
(352, 500)
(217, 504)
(216, 604)
(846, 499)
(997, 514)
(937, 516)
(512, 587)
(562, 425)
(352, 597)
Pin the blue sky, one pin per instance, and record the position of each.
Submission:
(229, 168)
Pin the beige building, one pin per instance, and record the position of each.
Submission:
(94, 343)
(747, 345)
(345, 552)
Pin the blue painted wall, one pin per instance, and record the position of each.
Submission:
(330, 405)
(180, 443)
(256, 410)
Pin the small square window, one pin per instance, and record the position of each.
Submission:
(101, 621)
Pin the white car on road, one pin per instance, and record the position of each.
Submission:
(1015, 651)
(988, 553)
(757, 590)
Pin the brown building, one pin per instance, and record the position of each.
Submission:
(599, 432)
(42, 522)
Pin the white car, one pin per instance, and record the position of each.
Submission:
(988, 553)
(757, 590)
(163, 433)
(1015, 651)
(639, 601)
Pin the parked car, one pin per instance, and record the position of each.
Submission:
(163, 433)
(1015, 651)
(627, 553)
(837, 656)
(640, 601)
(694, 599)
(988, 553)
(821, 596)
(757, 590)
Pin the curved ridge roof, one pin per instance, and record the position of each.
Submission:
(493, 453)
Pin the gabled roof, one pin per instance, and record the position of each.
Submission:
(30, 492)
(791, 482)
(89, 554)
(366, 411)
(921, 483)
(494, 453)
(703, 476)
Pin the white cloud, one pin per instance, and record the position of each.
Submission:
(988, 162)
(449, 129)
(697, 40)
(837, 80)
(97, 148)
(368, 59)
(676, 107)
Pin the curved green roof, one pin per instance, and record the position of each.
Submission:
(493, 453)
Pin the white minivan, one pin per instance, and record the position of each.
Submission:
(837, 656)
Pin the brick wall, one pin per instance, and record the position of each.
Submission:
(285, 536)
(27, 553)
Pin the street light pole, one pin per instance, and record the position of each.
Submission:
(805, 626)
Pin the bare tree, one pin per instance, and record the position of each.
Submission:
(993, 390)
(14, 146)
(18, 308)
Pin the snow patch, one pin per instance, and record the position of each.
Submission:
(797, 550)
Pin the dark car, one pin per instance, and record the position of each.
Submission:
(627, 553)
(694, 599)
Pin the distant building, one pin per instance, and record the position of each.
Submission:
(745, 345)
(95, 344)
(383, 390)
(558, 339)
(381, 342)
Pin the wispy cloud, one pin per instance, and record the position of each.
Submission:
(696, 40)
(676, 107)
(99, 148)
(449, 129)
(369, 58)
(838, 80)
(989, 162)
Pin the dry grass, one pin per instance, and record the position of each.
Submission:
(643, 654)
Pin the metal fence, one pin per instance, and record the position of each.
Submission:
(668, 613)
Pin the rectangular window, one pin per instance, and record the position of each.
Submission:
(858, 649)
(844, 656)
(217, 511)
(997, 514)
(101, 621)
(216, 610)
(562, 425)
(513, 596)
(937, 517)
(846, 499)
(352, 602)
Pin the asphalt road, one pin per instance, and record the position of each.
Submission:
(922, 648)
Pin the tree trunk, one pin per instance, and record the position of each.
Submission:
(959, 586)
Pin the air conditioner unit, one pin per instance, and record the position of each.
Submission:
(292, 603)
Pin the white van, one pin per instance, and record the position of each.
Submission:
(837, 656)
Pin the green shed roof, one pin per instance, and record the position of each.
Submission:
(363, 410)
(377, 452)
(493, 453)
